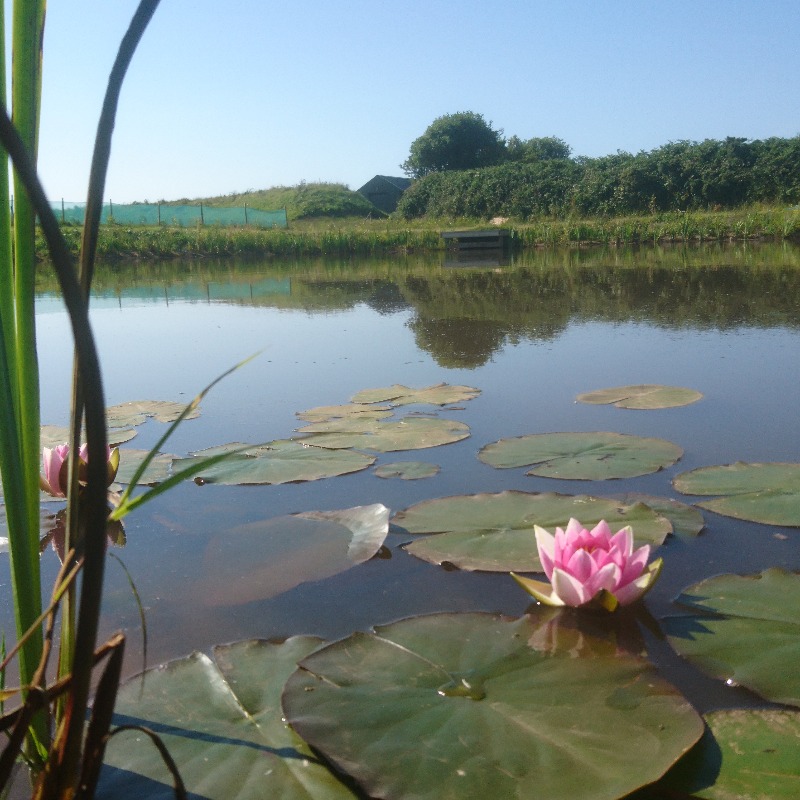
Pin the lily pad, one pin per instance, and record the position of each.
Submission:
(281, 461)
(494, 532)
(746, 631)
(221, 721)
(407, 470)
(582, 456)
(752, 754)
(158, 469)
(441, 394)
(768, 493)
(462, 706)
(357, 410)
(137, 411)
(642, 396)
(409, 433)
(54, 435)
(687, 521)
(263, 559)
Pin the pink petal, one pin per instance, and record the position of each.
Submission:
(52, 461)
(581, 566)
(635, 565)
(545, 544)
(568, 589)
(574, 528)
(606, 578)
(623, 539)
(635, 589)
(601, 531)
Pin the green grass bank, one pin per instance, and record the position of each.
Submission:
(365, 236)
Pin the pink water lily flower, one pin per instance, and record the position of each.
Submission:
(54, 462)
(591, 565)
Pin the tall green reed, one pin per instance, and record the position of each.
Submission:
(19, 385)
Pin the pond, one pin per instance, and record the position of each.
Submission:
(530, 335)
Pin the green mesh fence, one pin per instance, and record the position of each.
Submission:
(184, 216)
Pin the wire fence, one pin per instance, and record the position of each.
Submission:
(175, 215)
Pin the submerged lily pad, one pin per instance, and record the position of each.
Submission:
(221, 722)
(687, 521)
(407, 470)
(746, 630)
(409, 433)
(494, 532)
(752, 754)
(642, 396)
(768, 493)
(158, 469)
(137, 411)
(441, 394)
(462, 706)
(582, 456)
(281, 461)
(263, 559)
(349, 410)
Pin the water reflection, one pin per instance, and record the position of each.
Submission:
(464, 316)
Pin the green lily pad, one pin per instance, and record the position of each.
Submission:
(54, 435)
(441, 394)
(221, 722)
(263, 559)
(582, 456)
(642, 396)
(357, 410)
(407, 470)
(752, 754)
(768, 493)
(687, 521)
(158, 469)
(281, 461)
(137, 411)
(462, 706)
(409, 433)
(494, 532)
(746, 631)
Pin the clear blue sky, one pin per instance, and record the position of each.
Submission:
(227, 95)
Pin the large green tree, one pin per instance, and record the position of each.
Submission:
(455, 141)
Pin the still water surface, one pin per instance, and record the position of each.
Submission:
(530, 335)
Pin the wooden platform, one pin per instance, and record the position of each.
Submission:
(491, 239)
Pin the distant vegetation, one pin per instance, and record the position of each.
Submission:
(305, 201)
(465, 169)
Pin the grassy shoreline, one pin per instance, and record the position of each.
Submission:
(356, 236)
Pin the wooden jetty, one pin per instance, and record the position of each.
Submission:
(491, 239)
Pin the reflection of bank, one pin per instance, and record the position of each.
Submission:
(481, 248)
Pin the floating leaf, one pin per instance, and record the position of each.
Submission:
(263, 559)
(768, 493)
(746, 631)
(221, 722)
(398, 395)
(494, 532)
(409, 433)
(753, 754)
(158, 469)
(463, 706)
(642, 396)
(357, 410)
(54, 435)
(407, 470)
(281, 461)
(136, 412)
(687, 521)
(582, 456)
